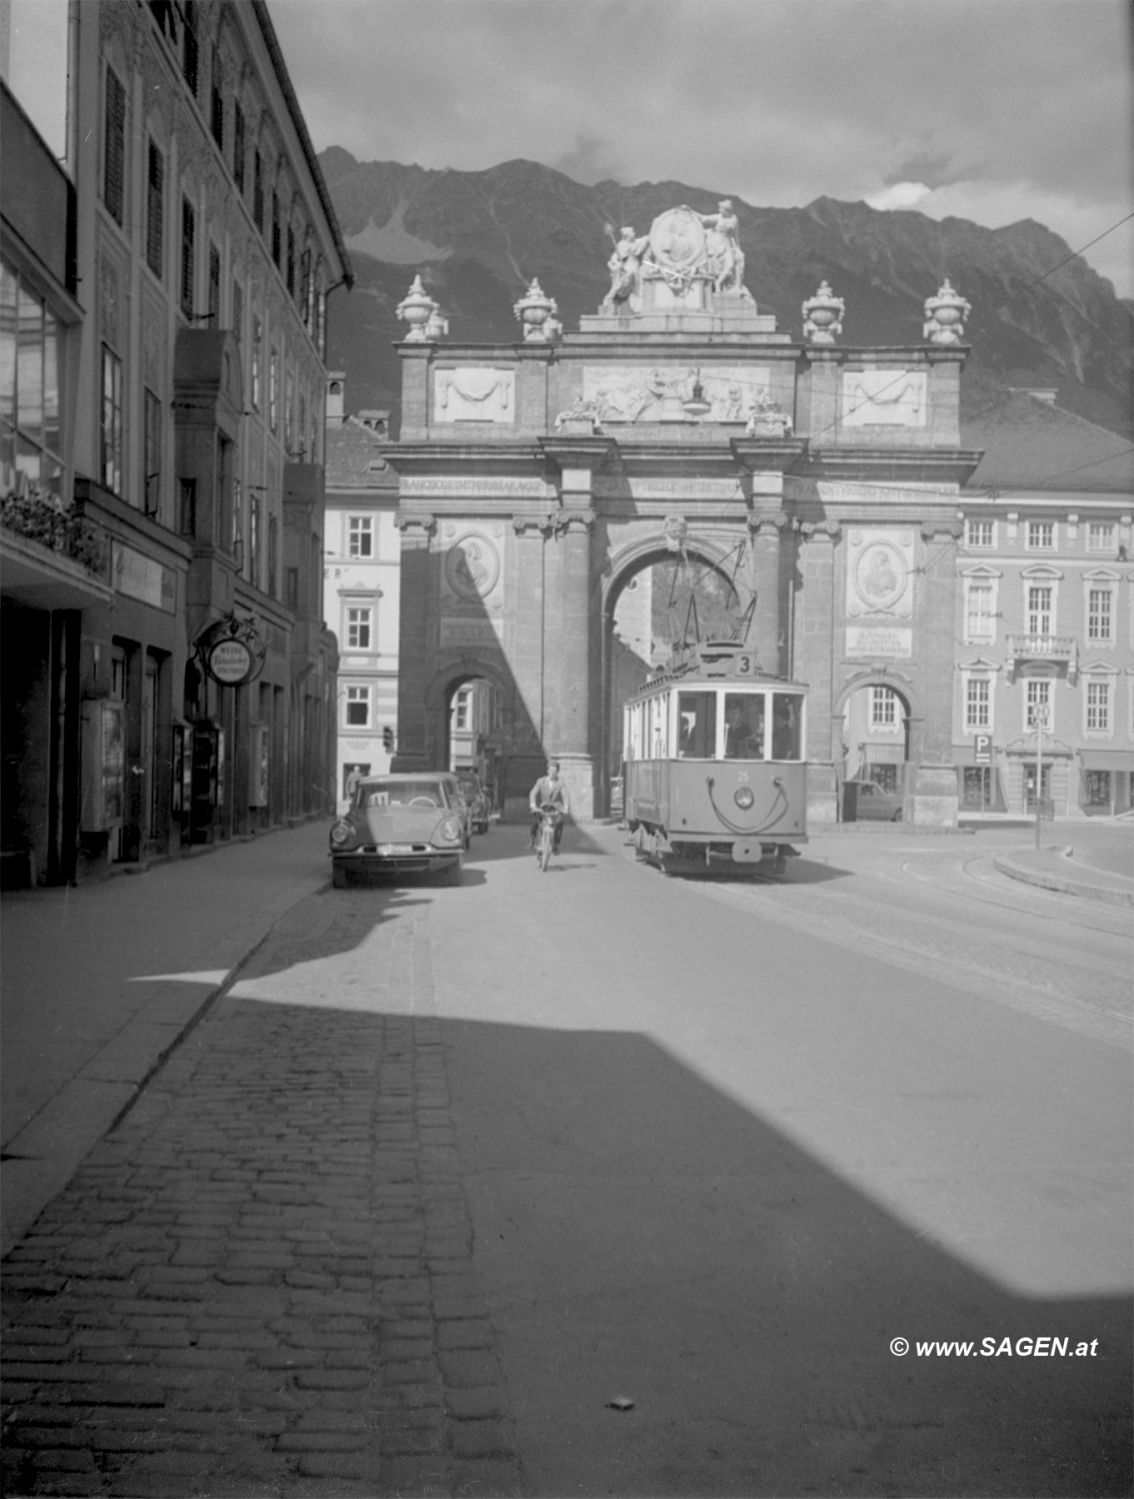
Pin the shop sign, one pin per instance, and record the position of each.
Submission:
(232, 651)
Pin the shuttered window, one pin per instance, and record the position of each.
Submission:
(188, 255)
(114, 164)
(238, 146)
(155, 210)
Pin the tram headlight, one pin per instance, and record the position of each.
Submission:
(743, 797)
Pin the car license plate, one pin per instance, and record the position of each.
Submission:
(395, 848)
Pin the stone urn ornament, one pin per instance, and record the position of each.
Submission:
(945, 316)
(823, 316)
(536, 312)
(416, 309)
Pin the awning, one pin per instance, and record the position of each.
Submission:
(1107, 759)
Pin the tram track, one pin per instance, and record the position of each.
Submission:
(947, 949)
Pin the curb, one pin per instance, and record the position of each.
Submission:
(1063, 884)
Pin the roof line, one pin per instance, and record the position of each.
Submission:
(276, 53)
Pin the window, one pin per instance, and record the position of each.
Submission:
(214, 286)
(274, 390)
(110, 435)
(291, 587)
(289, 414)
(254, 508)
(155, 210)
(1100, 619)
(1041, 535)
(187, 507)
(462, 704)
(1100, 536)
(883, 708)
(1040, 597)
(238, 312)
(360, 538)
(190, 52)
(305, 288)
(291, 260)
(30, 347)
(980, 615)
(239, 148)
(273, 548)
(276, 242)
(114, 148)
(238, 522)
(154, 442)
(980, 534)
(358, 628)
(1037, 702)
(1098, 707)
(257, 360)
(216, 99)
(258, 191)
(358, 707)
(978, 703)
(188, 255)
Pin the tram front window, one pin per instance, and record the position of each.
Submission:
(744, 727)
(697, 725)
(785, 727)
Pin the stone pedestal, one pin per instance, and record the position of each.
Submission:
(932, 800)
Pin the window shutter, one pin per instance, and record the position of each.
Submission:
(114, 181)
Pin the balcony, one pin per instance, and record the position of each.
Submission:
(51, 557)
(1043, 655)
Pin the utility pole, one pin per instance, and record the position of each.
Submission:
(1041, 723)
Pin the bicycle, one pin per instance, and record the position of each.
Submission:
(549, 816)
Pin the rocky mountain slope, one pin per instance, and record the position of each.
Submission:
(1041, 317)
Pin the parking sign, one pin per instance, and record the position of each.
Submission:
(982, 748)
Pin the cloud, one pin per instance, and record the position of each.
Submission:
(1015, 109)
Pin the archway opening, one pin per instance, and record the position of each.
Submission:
(662, 600)
(876, 750)
(472, 728)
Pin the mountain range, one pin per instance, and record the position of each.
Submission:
(1041, 317)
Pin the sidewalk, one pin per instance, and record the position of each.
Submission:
(98, 983)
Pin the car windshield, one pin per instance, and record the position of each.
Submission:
(402, 794)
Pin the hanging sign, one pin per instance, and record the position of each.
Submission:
(232, 651)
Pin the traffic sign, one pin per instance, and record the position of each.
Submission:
(982, 749)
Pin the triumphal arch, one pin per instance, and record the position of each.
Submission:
(538, 479)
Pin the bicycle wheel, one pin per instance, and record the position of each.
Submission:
(544, 852)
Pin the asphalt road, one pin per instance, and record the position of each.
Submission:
(723, 1143)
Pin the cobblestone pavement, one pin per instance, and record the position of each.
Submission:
(260, 1282)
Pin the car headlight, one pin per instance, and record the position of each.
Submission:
(743, 797)
(342, 833)
(448, 831)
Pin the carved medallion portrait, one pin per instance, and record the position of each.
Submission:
(879, 574)
(472, 566)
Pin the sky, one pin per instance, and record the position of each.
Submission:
(991, 110)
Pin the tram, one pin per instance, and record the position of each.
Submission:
(714, 775)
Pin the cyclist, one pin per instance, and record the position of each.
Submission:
(549, 790)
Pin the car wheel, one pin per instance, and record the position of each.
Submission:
(339, 878)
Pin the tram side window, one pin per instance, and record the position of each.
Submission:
(744, 726)
(697, 725)
(785, 727)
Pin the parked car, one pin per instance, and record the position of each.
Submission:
(476, 797)
(412, 823)
(866, 801)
